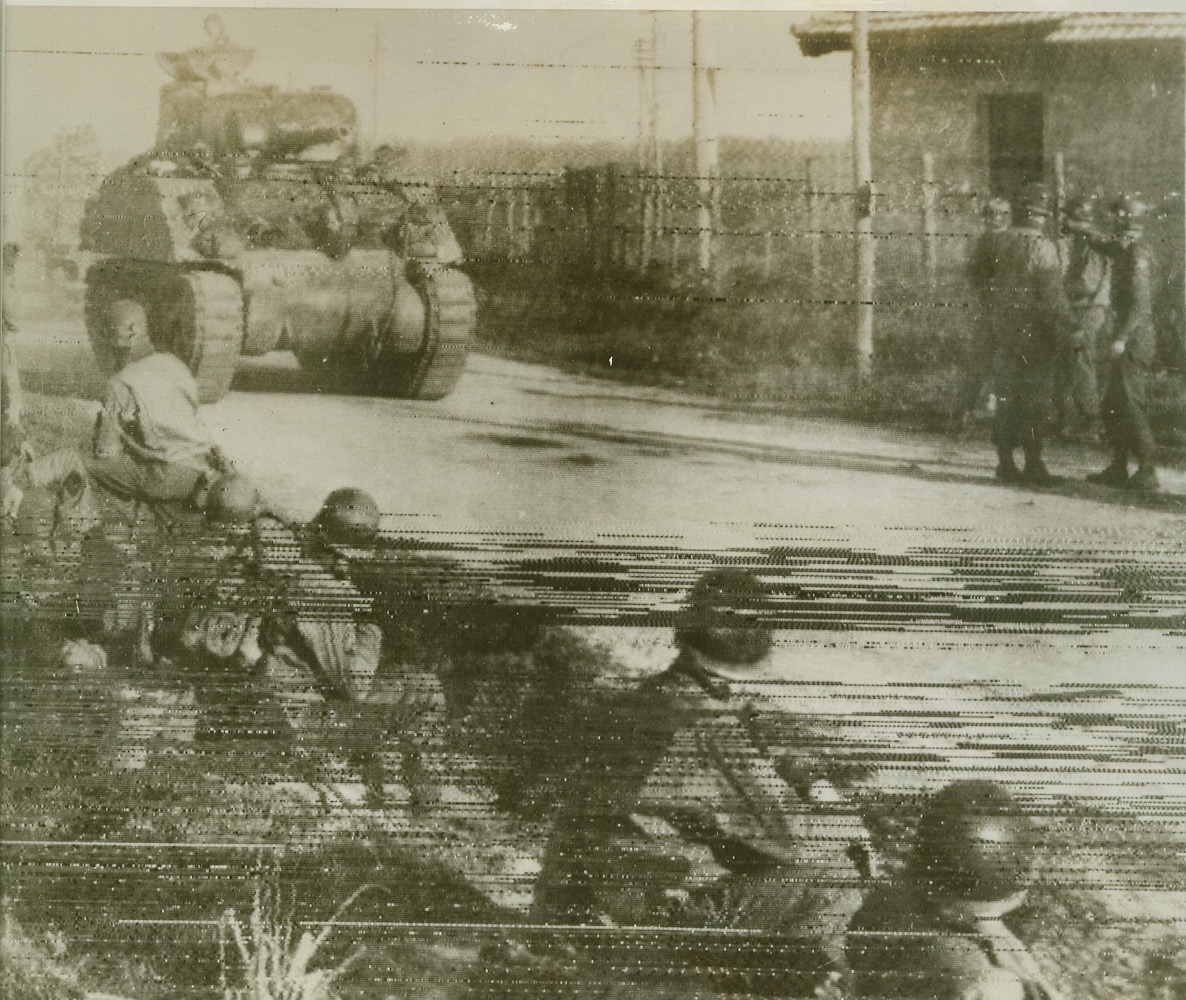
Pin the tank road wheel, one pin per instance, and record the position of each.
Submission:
(198, 315)
(422, 353)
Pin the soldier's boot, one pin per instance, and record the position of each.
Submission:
(1036, 473)
(1007, 471)
(1144, 480)
(1116, 474)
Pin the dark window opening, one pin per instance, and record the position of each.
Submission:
(1015, 148)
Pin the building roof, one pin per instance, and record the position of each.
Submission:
(832, 32)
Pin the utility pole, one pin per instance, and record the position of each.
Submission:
(866, 195)
(653, 95)
(375, 90)
(650, 156)
(640, 61)
(704, 131)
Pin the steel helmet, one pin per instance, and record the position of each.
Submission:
(1080, 209)
(349, 516)
(232, 499)
(974, 843)
(1129, 209)
(723, 620)
(1034, 200)
(995, 208)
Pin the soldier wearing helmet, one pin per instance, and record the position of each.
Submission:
(150, 442)
(348, 517)
(1088, 281)
(1034, 324)
(682, 815)
(938, 931)
(278, 632)
(982, 268)
(403, 714)
(233, 499)
(1132, 353)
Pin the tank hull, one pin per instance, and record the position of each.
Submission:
(224, 269)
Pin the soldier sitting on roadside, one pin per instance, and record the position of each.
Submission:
(938, 934)
(150, 443)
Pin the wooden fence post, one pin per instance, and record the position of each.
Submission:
(512, 228)
(813, 233)
(929, 228)
(491, 199)
(525, 221)
(609, 219)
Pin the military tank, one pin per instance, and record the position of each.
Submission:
(255, 225)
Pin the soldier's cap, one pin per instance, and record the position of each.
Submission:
(975, 847)
(1080, 209)
(996, 207)
(233, 499)
(128, 312)
(349, 518)
(726, 622)
(1129, 208)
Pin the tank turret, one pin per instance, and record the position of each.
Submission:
(255, 225)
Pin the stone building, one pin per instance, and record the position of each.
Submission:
(1001, 99)
(995, 96)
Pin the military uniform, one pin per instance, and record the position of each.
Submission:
(149, 441)
(1034, 323)
(937, 933)
(903, 944)
(682, 818)
(983, 263)
(1125, 420)
(1088, 281)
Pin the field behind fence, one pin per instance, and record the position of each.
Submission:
(784, 236)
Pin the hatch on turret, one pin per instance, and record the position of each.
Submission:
(208, 110)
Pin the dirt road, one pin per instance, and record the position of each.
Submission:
(525, 449)
(901, 560)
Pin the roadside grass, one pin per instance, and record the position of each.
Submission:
(759, 341)
(52, 422)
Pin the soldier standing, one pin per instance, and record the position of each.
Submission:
(939, 932)
(1088, 281)
(1034, 323)
(682, 816)
(982, 269)
(1132, 353)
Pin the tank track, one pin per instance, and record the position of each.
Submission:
(451, 316)
(198, 315)
(210, 343)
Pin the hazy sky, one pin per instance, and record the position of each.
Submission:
(442, 74)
